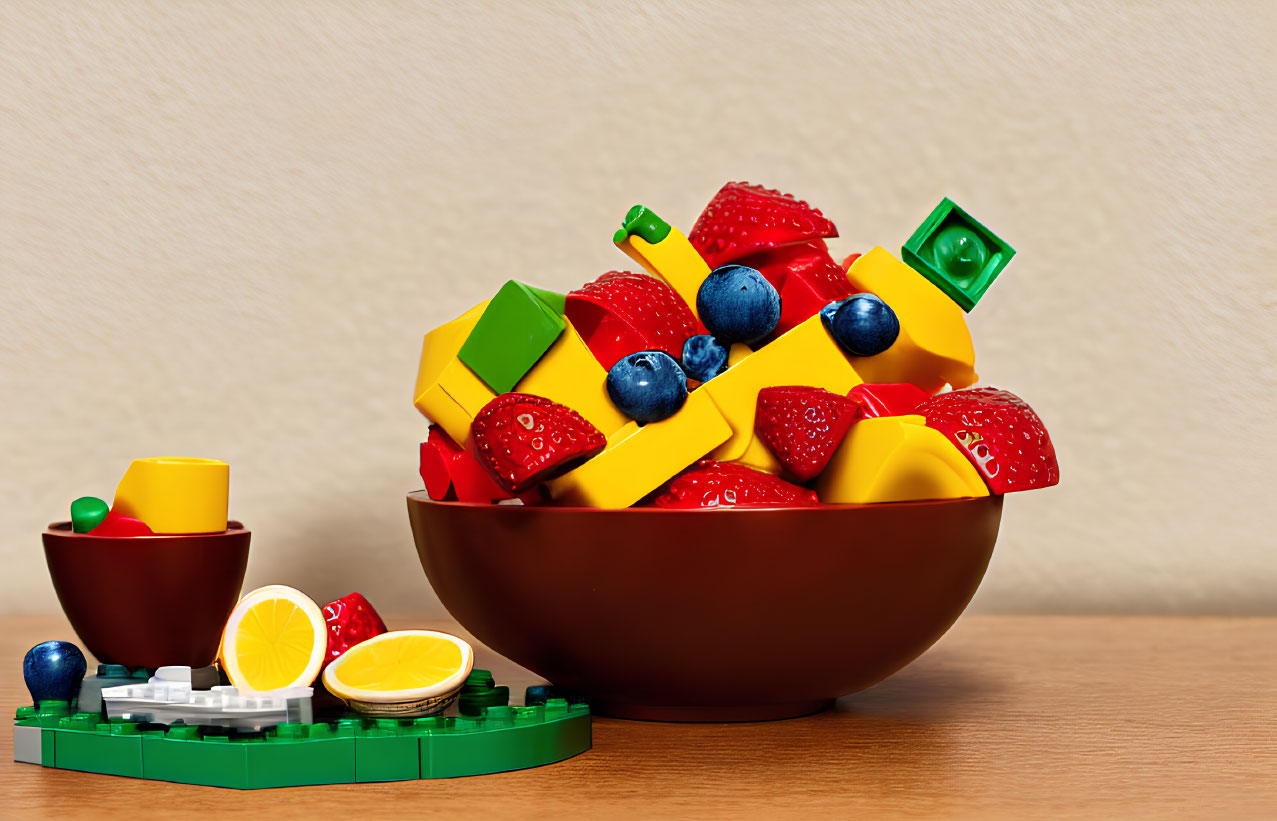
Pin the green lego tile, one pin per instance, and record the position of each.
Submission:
(956, 253)
(387, 750)
(515, 331)
(110, 749)
(506, 738)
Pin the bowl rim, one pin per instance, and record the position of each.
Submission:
(63, 531)
(422, 497)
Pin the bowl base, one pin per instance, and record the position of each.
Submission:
(755, 712)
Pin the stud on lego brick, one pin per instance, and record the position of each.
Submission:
(663, 252)
(514, 332)
(804, 356)
(897, 459)
(956, 253)
(481, 692)
(999, 433)
(933, 347)
(175, 494)
(622, 313)
(638, 459)
(87, 512)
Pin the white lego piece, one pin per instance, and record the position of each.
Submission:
(26, 744)
(168, 697)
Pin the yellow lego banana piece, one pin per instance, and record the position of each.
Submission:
(663, 252)
(175, 494)
(638, 459)
(805, 355)
(934, 346)
(897, 459)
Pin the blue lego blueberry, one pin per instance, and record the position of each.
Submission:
(738, 304)
(647, 386)
(864, 325)
(827, 314)
(704, 357)
(53, 671)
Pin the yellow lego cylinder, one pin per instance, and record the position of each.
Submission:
(175, 494)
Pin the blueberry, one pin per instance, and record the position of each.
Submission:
(53, 671)
(704, 357)
(738, 304)
(864, 325)
(827, 314)
(647, 386)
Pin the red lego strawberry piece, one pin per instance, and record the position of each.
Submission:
(522, 440)
(999, 433)
(452, 472)
(895, 399)
(710, 484)
(119, 526)
(621, 313)
(803, 426)
(350, 619)
(743, 218)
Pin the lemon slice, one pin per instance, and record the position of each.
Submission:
(400, 666)
(275, 638)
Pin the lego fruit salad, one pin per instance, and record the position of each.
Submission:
(743, 367)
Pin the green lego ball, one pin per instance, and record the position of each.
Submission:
(960, 252)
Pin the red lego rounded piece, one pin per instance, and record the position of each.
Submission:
(117, 526)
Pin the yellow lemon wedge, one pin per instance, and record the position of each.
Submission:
(275, 637)
(418, 669)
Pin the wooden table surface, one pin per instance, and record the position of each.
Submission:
(1007, 717)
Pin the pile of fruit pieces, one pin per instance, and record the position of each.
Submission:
(744, 368)
(276, 638)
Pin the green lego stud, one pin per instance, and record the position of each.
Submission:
(957, 254)
(480, 692)
(516, 329)
(87, 512)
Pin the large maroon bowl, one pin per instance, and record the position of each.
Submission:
(148, 601)
(707, 615)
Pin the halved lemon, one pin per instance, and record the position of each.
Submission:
(275, 637)
(400, 666)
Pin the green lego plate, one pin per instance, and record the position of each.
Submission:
(956, 253)
(351, 750)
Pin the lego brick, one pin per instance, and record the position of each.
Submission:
(387, 750)
(934, 347)
(480, 692)
(108, 675)
(512, 335)
(109, 749)
(663, 252)
(638, 459)
(28, 744)
(508, 738)
(806, 355)
(956, 253)
(182, 756)
(570, 375)
(452, 401)
(440, 346)
(294, 755)
(175, 494)
(897, 459)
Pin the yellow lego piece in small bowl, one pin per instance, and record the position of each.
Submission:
(638, 460)
(897, 459)
(173, 494)
(805, 355)
(934, 346)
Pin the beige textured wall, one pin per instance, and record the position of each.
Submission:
(224, 228)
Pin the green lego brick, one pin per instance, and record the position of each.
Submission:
(184, 756)
(387, 750)
(957, 254)
(515, 331)
(479, 692)
(294, 755)
(83, 743)
(506, 738)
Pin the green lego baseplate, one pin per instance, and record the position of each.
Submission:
(351, 750)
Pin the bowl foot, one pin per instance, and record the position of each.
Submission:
(757, 712)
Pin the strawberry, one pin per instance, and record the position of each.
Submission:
(120, 526)
(709, 484)
(621, 313)
(999, 433)
(523, 440)
(895, 399)
(742, 218)
(803, 426)
(350, 619)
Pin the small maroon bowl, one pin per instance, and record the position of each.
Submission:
(707, 615)
(148, 601)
